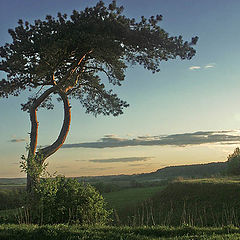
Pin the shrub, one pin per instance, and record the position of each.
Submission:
(65, 200)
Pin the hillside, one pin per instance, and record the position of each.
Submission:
(190, 171)
(198, 202)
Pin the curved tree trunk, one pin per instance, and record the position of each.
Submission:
(38, 158)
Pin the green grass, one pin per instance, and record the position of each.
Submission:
(200, 202)
(65, 232)
(131, 196)
(197, 202)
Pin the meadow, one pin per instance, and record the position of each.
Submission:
(200, 202)
(206, 208)
(130, 197)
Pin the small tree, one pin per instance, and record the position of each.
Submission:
(65, 56)
(233, 163)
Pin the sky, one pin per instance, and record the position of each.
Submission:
(188, 113)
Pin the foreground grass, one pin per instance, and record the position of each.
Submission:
(65, 232)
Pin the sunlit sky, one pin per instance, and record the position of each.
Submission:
(187, 113)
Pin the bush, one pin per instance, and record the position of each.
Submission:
(62, 200)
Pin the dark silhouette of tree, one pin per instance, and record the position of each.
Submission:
(233, 163)
(67, 55)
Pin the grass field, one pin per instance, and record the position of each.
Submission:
(65, 232)
(203, 202)
(197, 202)
(130, 196)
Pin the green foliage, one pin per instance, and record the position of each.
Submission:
(33, 166)
(233, 163)
(106, 187)
(62, 200)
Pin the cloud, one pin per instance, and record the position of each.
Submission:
(16, 140)
(102, 168)
(62, 166)
(141, 164)
(183, 139)
(114, 160)
(194, 67)
(210, 65)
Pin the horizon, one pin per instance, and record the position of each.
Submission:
(185, 114)
(133, 174)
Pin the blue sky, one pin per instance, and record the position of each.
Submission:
(185, 97)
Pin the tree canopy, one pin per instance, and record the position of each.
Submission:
(71, 52)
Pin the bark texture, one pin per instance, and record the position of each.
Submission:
(40, 157)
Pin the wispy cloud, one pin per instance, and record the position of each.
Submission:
(194, 67)
(210, 65)
(183, 139)
(102, 168)
(62, 166)
(17, 140)
(142, 164)
(114, 160)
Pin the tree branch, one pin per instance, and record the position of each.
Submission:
(48, 151)
(34, 122)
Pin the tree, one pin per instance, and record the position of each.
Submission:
(233, 163)
(66, 56)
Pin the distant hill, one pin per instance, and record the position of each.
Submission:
(189, 171)
(185, 171)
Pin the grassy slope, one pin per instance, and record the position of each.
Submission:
(64, 232)
(131, 196)
(206, 202)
